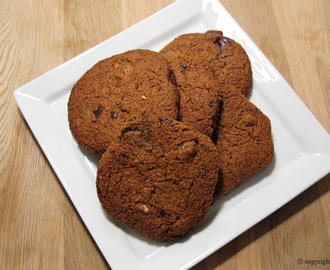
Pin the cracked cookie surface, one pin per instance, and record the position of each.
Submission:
(158, 179)
(118, 90)
(244, 140)
(229, 59)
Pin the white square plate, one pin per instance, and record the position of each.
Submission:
(302, 146)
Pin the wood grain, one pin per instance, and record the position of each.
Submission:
(40, 228)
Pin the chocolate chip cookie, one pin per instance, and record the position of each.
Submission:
(244, 140)
(229, 59)
(126, 87)
(159, 178)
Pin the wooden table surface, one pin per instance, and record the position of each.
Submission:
(39, 226)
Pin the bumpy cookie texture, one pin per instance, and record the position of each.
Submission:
(199, 91)
(229, 59)
(121, 89)
(244, 140)
(158, 179)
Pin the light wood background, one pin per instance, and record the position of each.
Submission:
(39, 227)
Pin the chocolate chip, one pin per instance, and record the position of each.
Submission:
(171, 77)
(194, 140)
(114, 115)
(222, 41)
(183, 69)
(125, 155)
(98, 112)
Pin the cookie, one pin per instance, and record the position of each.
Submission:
(229, 59)
(244, 140)
(124, 88)
(158, 179)
(199, 91)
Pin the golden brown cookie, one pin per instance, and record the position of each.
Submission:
(229, 59)
(244, 140)
(158, 179)
(130, 86)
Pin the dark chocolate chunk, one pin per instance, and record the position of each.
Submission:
(98, 112)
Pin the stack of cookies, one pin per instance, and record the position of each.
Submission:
(174, 128)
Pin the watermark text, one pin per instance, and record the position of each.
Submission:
(314, 262)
